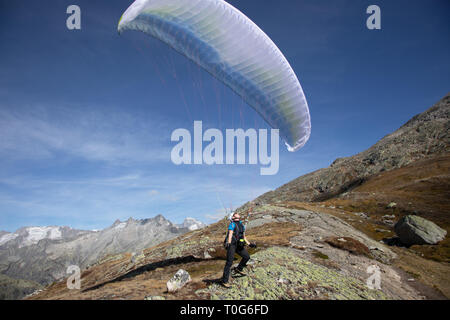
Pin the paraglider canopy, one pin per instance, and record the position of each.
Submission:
(226, 43)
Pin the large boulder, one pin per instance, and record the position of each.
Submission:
(417, 230)
(178, 280)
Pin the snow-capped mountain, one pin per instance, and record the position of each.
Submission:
(42, 254)
(28, 236)
(7, 236)
(192, 224)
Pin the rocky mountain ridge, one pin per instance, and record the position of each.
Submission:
(425, 135)
(42, 254)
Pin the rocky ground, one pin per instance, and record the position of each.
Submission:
(295, 259)
(421, 188)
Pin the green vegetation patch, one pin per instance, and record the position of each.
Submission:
(320, 255)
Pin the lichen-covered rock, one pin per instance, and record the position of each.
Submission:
(183, 248)
(282, 274)
(179, 280)
(154, 298)
(417, 230)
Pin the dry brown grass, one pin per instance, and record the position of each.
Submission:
(432, 273)
(274, 234)
(349, 244)
(422, 188)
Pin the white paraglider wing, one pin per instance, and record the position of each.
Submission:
(227, 44)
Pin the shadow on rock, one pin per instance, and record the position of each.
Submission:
(394, 241)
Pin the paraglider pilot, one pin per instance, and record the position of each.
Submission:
(235, 242)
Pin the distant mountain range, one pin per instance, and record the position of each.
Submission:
(42, 254)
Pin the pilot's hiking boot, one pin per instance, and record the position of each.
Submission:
(239, 272)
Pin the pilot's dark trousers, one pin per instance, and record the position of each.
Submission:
(232, 249)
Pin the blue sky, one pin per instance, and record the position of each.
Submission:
(86, 116)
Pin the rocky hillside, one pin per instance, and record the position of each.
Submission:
(42, 254)
(301, 254)
(320, 236)
(11, 288)
(424, 136)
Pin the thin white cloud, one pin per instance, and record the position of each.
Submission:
(114, 137)
(140, 195)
